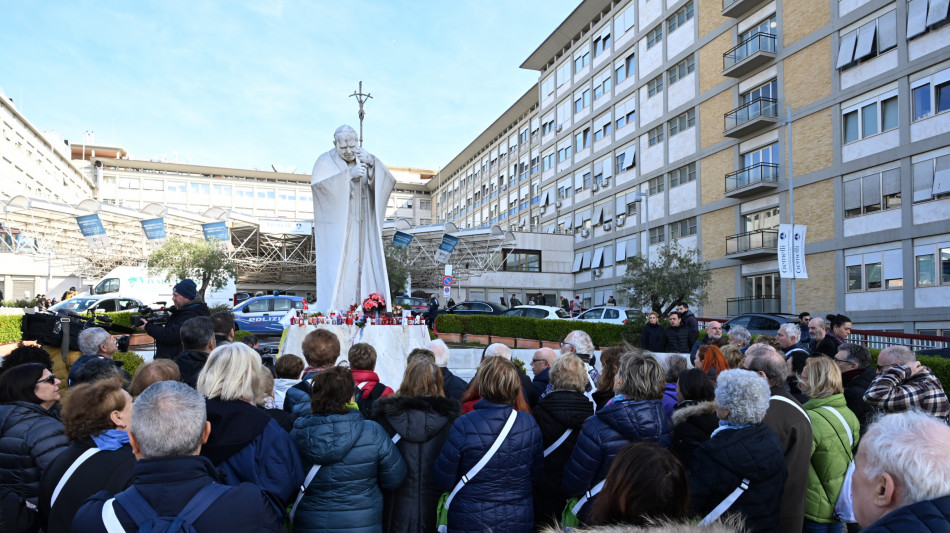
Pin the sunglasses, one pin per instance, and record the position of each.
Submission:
(51, 379)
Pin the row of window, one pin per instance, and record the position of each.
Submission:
(884, 270)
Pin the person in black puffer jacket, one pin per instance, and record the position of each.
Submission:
(31, 436)
(187, 306)
(564, 409)
(695, 418)
(652, 336)
(679, 338)
(421, 415)
(634, 414)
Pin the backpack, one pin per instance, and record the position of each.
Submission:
(145, 517)
(366, 404)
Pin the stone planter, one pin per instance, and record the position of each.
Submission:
(140, 339)
(527, 343)
(480, 339)
(551, 344)
(507, 341)
(451, 337)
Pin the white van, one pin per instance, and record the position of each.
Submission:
(135, 282)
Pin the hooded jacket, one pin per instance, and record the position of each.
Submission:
(693, 423)
(422, 424)
(830, 455)
(31, 438)
(720, 464)
(168, 337)
(556, 413)
(357, 458)
(246, 444)
(602, 436)
(498, 499)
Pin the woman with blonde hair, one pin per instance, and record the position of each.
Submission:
(245, 442)
(421, 415)
(835, 432)
(497, 498)
(733, 355)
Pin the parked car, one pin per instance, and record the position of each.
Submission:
(537, 311)
(241, 297)
(98, 304)
(418, 306)
(475, 308)
(608, 314)
(261, 315)
(760, 323)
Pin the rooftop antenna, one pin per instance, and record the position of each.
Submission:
(361, 98)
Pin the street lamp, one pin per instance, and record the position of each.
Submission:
(643, 199)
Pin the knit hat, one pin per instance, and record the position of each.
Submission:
(186, 288)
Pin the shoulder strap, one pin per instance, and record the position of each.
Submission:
(790, 402)
(594, 491)
(558, 442)
(378, 390)
(844, 423)
(361, 384)
(138, 509)
(198, 504)
(109, 519)
(70, 471)
(484, 460)
(303, 488)
(725, 504)
(396, 437)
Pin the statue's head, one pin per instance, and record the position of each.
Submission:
(346, 141)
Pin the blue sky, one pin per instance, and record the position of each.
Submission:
(245, 84)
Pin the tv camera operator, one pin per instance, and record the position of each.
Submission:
(167, 335)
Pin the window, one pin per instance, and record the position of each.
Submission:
(654, 36)
(535, 161)
(870, 194)
(602, 41)
(930, 273)
(581, 60)
(871, 117)
(519, 260)
(200, 189)
(626, 158)
(766, 90)
(920, 20)
(874, 271)
(625, 20)
(604, 126)
(626, 67)
(679, 18)
(657, 185)
(548, 125)
(626, 112)
(655, 86)
(680, 70)
(564, 189)
(683, 122)
(128, 183)
(868, 41)
(931, 178)
(602, 83)
(563, 74)
(768, 154)
(547, 161)
(564, 153)
(657, 235)
(523, 137)
(535, 126)
(767, 26)
(931, 95)
(683, 228)
(581, 100)
(655, 135)
(547, 87)
(766, 219)
(563, 113)
(683, 175)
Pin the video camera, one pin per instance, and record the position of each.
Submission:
(47, 328)
(158, 317)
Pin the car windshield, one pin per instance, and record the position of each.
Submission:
(75, 304)
(562, 313)
(631, 313)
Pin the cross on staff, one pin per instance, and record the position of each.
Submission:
(361, 98)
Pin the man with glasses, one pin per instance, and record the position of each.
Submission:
(902, 383)
(854, 361)
(541, 368)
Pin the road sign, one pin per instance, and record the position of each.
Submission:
(447, 281)
(447, 291)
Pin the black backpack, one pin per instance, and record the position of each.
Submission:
(366, 404)
(145, 517)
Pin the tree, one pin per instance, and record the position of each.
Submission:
(676, 275)
(397, 267)
(205, 262)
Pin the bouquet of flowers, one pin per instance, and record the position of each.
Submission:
(375, 303)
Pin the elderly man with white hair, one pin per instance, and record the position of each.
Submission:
(95, 343)
(579, 343)
(453, 385)
(901, 478)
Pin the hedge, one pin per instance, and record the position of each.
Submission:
(130, 360)
(240, 334)
(527, 328)
(10, 328)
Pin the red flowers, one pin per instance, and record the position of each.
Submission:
(375, 302)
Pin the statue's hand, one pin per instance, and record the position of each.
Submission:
(357, 171)
(365, 157)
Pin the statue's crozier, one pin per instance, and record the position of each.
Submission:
(350, 191)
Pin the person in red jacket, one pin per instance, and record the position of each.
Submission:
(362, 359)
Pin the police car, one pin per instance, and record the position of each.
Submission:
(261, 315)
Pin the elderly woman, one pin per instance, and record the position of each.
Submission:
(560, 415)
(354, 459)
(833, 442)
(31, 436)
(97, 418)
(741, 449)
(634, 414)
(498, 498)
(421, 415)
(739, 336)
(245, 443)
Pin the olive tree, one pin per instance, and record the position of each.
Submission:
(207, 263)
(676, 275)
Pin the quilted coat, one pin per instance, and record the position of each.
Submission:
(720, 464)
(357, 459)
(603, 435)
(693, 423)
(422, 424)
(556, 413)
(498, 499)
(830, 455)
(31, 437)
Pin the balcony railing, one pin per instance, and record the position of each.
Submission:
(754, 175)
(749, 54)
(753, 304)
(764, 240)
(752, 115)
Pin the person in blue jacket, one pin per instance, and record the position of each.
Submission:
(246, 444)
(356, 458)
(634, 414)
(499, 497)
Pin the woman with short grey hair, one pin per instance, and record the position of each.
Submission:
(742, 452)
(739, 336)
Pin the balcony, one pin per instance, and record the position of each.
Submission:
(755, 243)
(753, 304)
(737, 8)
(753, 116)
(751, 54)
(752, 180)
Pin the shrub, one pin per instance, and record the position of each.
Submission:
(481, 324)
(10, 328)
(130, 360)
(446, 323)
(940, 367)
(123, 318)
(220, 307)
(240, 334)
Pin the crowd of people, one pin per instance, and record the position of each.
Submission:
(734, 438)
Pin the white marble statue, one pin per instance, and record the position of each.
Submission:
(350, 190)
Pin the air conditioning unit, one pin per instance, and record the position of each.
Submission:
(585, 233)
(607, 226)
(558, 130)
(557, 204)
(597, 272)
(595, 187)
(606, 182)
(620, 220)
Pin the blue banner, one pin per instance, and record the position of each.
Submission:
(446, 248)
(216, 231)
(401, 240)
(92, 229)
(154, 229)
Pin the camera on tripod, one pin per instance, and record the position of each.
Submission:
(47, 328)
(154, 316)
